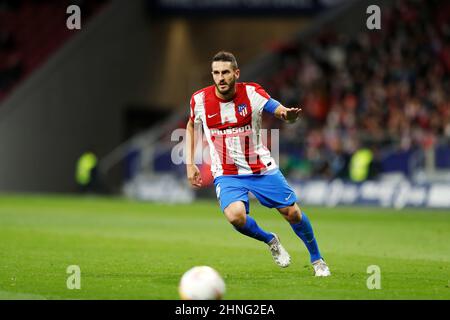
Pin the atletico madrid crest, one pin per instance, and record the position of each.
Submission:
(242, 109)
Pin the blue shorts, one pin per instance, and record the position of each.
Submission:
(271, 190)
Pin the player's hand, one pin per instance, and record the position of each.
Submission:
(193, 175)
(291, 114)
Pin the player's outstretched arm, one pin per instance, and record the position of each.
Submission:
(287, 114)
(192, 171)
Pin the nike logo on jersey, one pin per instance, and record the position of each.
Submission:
(288, 197)
(212, 115)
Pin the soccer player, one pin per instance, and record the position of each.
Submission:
(230, 113)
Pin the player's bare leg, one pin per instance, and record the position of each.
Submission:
(237, 216)
(302, 227)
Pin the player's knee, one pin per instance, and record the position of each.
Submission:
(293, 214)
(237, 219)
(236, 214)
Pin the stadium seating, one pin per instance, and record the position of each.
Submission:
(388, 88)
(30, 31)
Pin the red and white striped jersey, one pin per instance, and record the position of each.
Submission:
(233, 129)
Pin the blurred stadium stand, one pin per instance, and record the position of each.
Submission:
(76, 100)
(121, 72)
(126, 79)
(30, 31)
(361, 90)
(388, 89)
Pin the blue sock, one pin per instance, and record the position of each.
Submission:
(251, 229)
(304, 231)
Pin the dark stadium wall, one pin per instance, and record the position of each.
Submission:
(186, 46)
(75, 101)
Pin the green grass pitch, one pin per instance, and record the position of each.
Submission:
(135, 250)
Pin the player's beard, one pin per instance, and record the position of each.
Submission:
(229, 89)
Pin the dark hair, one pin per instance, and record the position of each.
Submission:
(226, 56)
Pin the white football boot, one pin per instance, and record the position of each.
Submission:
(279, 254)
(321, 269)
